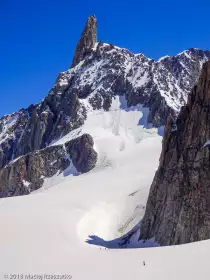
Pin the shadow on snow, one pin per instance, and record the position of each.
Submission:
(127, 241)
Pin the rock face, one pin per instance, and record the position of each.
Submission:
(178, 208)
(36, 127)
(81, 152)
(87, 40)
(27, 173)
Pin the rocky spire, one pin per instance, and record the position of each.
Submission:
(178, 207)
(87, 40)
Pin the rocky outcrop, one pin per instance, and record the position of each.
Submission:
(87, 40)
(178, 207)
(82, 154)
(27, 173)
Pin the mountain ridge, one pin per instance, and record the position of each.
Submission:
(101, 74)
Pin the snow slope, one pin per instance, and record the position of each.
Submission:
(65, 227)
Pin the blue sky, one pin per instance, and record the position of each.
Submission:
(38, 38)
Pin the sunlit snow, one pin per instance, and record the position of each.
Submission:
(77, 224)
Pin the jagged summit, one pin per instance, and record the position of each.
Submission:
(178, 208)
(87, 40)
(101, 74)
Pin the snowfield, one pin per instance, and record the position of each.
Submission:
(77, 224)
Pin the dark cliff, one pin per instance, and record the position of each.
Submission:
(178, 207)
